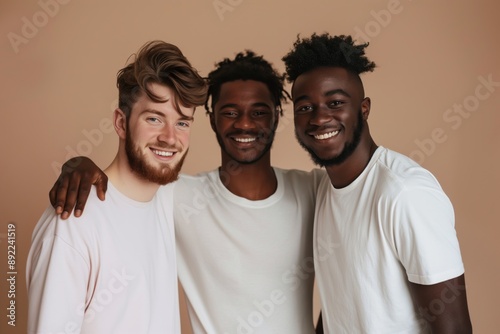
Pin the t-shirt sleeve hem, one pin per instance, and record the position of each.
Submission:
(436, 278)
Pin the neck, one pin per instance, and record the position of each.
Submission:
(129, 183)
(255, 181)
(344, 174)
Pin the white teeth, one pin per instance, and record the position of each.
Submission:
(245, 140)
(163, 153)
(326, 135)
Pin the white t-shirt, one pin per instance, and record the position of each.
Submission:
(111, 271)
(392, 225)
(246, 266)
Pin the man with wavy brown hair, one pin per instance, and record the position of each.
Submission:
(114, 270)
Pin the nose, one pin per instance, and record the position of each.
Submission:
(320, 116)
(244, 121)
(168, 135)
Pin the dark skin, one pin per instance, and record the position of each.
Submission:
(242, 118)
(244, 112)
(74, 184)
(327, 105)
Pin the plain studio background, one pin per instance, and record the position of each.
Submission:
(435, 97)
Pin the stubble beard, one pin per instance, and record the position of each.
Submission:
(347, 151)
(266, 142)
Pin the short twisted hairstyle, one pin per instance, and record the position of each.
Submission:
(162, 63)
(246, 66)
(325, 50)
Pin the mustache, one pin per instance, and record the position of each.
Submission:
(166, 146)
(247, 133)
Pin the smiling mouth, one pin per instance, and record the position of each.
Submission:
(327, 135)
(245, 140)
(163, 153)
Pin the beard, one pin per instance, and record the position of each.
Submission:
(264, 142)
(161, 175)
(349, 147)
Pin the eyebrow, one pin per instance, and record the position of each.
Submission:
(159, 113)
(328, 93)
(256, 104)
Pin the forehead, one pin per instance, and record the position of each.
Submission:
(164, 92)
(244, 91)
(324, 79)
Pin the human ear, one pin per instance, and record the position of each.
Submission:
(212, 121)
(120, 123)
(365, 108)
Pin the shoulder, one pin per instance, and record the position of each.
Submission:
(301, 175)
(189, 180)
(72, 232)
(189, 187)
(407, 188)
(400, 173)
(95, 210)
(299, 180)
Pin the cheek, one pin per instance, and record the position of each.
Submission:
(140, 135)
(267, 125)
(222, 126)
(184, 137)
(299, 122)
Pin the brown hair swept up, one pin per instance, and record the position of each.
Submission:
(162, 63)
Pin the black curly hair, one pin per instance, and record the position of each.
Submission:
(326, 50)
(246, 66)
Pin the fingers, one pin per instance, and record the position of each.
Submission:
(67, 196)
(53, 194)
(83, 187)
(102, 186)
(58, 193)
(72, 189)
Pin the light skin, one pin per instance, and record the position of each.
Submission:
(327, 104)
(159, 136)
(162, 140)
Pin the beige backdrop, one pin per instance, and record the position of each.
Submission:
(435, 96)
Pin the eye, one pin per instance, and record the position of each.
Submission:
(335, 104)
(303, 109)
(259, 113)
(184, 124)
(230, 113)
(153, 120)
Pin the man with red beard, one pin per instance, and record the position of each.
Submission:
(114, 270)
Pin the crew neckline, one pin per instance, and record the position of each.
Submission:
(272, 199)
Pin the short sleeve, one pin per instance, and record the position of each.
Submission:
(425, 236)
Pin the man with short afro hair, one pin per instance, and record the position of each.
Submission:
(396, 254)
